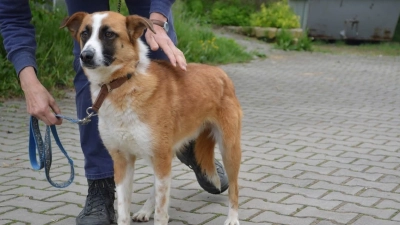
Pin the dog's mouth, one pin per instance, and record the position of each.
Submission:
(89, 65)
(93, 65)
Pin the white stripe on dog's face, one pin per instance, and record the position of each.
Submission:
(94, 43)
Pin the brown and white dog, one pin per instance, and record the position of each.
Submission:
(156, 110)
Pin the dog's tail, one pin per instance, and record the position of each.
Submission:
(204, 153)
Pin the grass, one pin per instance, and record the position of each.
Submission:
(199, 43)
(54, 52)
(284, 40)
(372, 49)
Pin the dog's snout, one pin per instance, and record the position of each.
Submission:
(87, 56)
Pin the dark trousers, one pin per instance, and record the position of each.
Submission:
(98, 163)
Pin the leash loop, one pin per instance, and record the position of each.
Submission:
(36, 144)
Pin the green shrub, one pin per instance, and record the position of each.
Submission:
(196, 7)
(286, 41)
(221, 12)
(231, 13)
(199, 44)
(278, 14)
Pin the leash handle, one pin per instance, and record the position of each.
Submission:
(36, 144)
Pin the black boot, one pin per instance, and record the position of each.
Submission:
(187, 157)
(99, 206)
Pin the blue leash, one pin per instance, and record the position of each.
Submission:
(36, 144)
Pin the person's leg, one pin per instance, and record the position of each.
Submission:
(99, 206)
(142, 8)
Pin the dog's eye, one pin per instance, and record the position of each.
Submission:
(84, 34)
(109, 34)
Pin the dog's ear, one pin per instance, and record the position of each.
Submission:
(73, 23)
(136, 25)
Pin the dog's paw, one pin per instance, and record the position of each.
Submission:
(231, 222)
(124, 221)
(141, 216)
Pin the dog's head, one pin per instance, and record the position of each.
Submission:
(108, 40)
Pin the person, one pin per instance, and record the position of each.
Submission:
(19, 42)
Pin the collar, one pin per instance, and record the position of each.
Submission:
(107, 88)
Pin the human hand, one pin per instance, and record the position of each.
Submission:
(161, 40)
(39, 102)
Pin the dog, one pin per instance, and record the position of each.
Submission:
(152, 109)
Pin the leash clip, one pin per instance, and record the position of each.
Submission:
(87, 119)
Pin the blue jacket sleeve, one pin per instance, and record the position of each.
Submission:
(18, 33)
(162, 6)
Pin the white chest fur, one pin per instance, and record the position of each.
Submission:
(123, 130)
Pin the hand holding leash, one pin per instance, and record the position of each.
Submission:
(39, 102)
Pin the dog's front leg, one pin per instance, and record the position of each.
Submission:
(162, 171)
(123, 176)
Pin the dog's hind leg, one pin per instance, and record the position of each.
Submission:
(230, 129)
(123, 176)
(162, 163)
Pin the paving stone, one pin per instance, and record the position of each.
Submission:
(30, 218)
(316, 169)
(368, 220)
(294, 181)
(68, 210)
(335, 187)
(274, 164)
(351, 198)
(378, 213)
(284, 188)
(381, 194)
(364, 175)
(328, 178)
(285, 209)
(270, 196)
(4, 209)
(312, 162)
(332, 159)
(190, 218)
(388, 204)
(362, 156)
(372, 184)
(244, 213)
(32, 193)
(335, 216)
(390, 179)
(321, 203)
(272, 217)
(326, 222)
(270, 170)
(358, 149)
(188, 206)
(7, 222)
(397, 217)
(383, 171)
(34, 205)
(348, 166)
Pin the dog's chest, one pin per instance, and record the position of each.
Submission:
(123, 130)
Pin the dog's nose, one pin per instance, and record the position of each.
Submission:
(87, 56)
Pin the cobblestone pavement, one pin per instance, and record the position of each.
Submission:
(321, 145)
